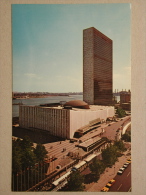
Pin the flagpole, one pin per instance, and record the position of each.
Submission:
(31, 176)
(24, 181)
(35, 175)
(21, 179)
(41, 172)
(13, 181)
(17, 181)
(28, 177)
(44, 169)
(38, 172)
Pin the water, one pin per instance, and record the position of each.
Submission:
(38, 101)
(50, 99)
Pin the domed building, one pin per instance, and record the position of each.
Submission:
(77, 104)
(62, 120)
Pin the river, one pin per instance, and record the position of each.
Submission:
(38, 101)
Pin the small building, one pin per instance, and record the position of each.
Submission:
(97, 143)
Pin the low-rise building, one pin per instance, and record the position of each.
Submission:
(62, 120)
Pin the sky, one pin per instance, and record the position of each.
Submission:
(47, 44)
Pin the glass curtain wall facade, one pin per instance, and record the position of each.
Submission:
(97, 67)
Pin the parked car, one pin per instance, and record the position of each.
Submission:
(74, 169)
(105, 189)
(129, 160)
(121, 170)
(125, 165)
(110, 183)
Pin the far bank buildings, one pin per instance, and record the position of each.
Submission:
(65, 120)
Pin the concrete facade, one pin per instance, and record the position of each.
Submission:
(59, 121)
(56, 121)
(97, 67)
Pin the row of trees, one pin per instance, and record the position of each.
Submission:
(109, 157)
(28, 166)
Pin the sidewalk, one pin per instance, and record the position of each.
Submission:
(108, 174)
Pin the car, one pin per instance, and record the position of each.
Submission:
(110, 183)
(74, 169)
(125, 165)
(121, 170)
(129, 160)
(105, 189)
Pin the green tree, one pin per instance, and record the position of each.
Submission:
(127, 136)
(121, 113)
(75, 182)
(120, 146)
(97, 167)
(28, 157)
(109, 155)
(40, 153)
(16, 156)
(24, 169)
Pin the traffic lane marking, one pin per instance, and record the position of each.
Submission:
(119, 187)
(128, 174)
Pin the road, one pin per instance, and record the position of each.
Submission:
(123, 182)
(110, 131)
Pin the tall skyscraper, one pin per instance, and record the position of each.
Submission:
(97, 67)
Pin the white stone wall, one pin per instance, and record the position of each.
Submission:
(56, 121)
(81, 118)
(60, 122)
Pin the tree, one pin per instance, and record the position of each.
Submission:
(120, 146)
(97, 167)
(109, 155)
(127, 136)
(24, 167)
(28, 157)
(16, 156)
(121, 113)
(75, 182)
(40, 152)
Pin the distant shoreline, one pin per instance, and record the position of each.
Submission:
(43, 96)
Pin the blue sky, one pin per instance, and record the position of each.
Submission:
(47, 44)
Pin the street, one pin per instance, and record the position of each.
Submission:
(123, 182)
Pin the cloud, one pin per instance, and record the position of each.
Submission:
(32, 75)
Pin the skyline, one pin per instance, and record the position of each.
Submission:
(47, 44)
